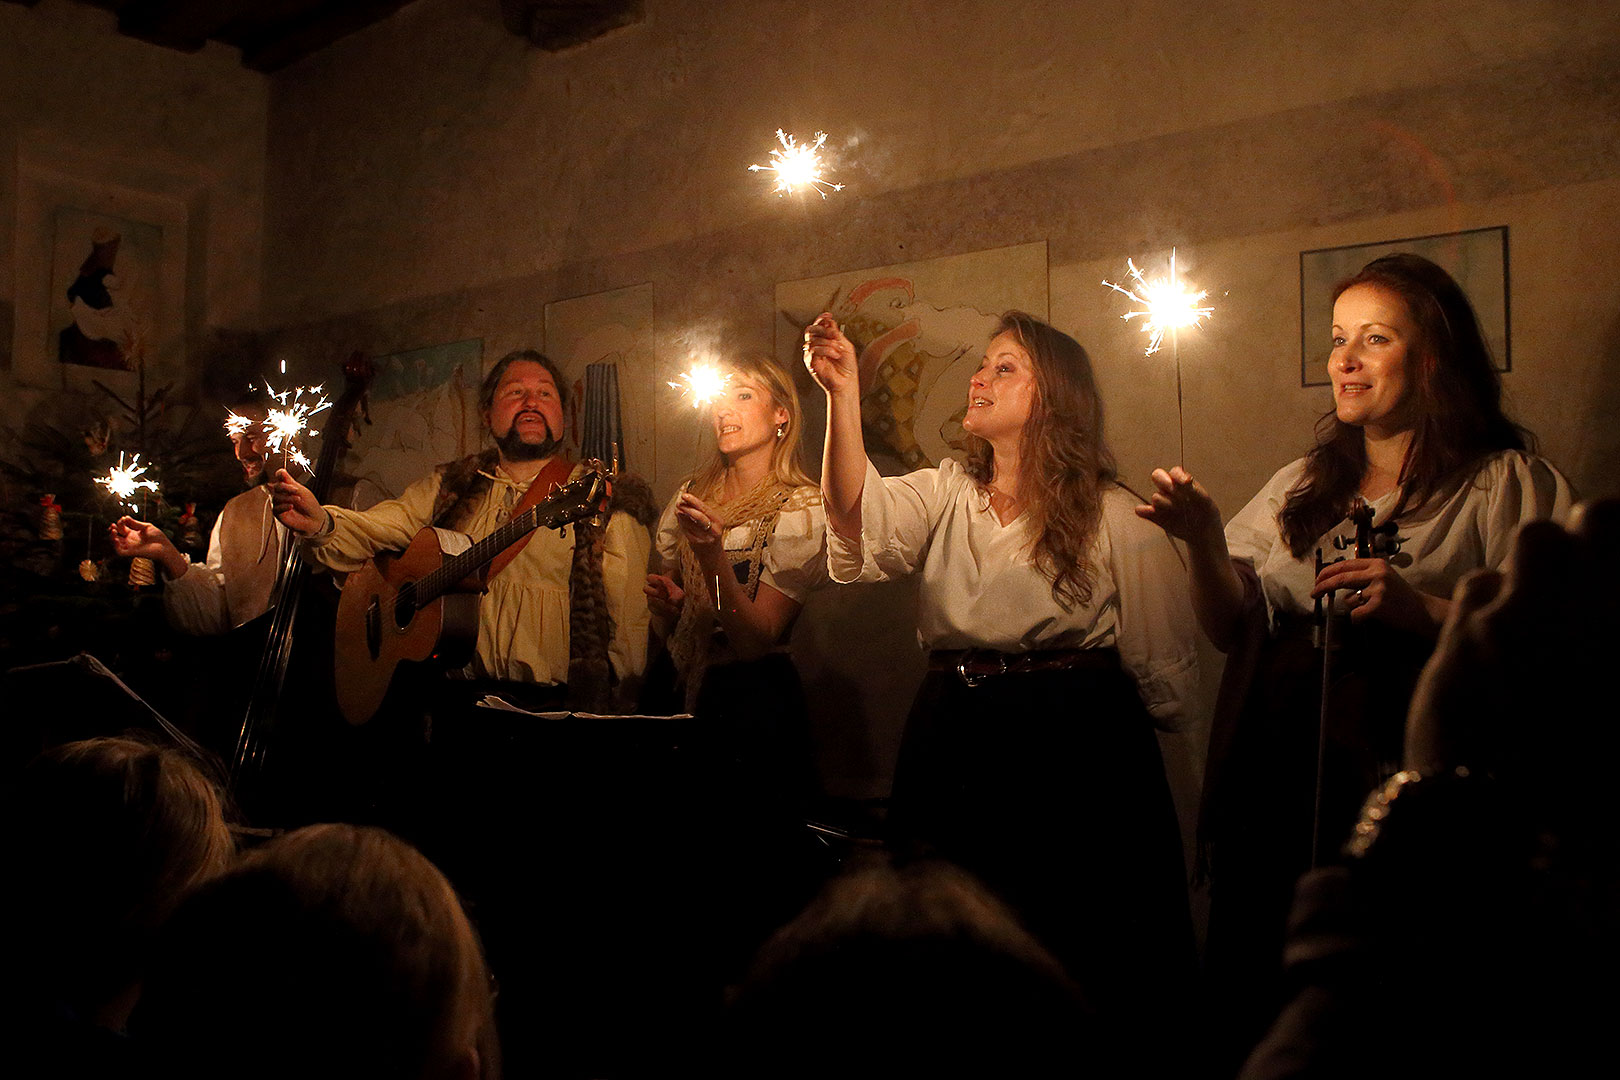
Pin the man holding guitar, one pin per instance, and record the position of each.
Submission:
(527, 628)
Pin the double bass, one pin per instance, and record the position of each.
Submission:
(259, 724)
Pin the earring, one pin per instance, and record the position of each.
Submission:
(781, 430)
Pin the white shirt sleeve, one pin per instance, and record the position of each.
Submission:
(1157, 634)
(1523, 488)
(625, 547)
(897, 519)
(1253, 532)
(795, 562)
(195, 601)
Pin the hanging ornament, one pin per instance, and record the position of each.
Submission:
(50, 518)
(88, 569)
(141, 572)
(190, 530)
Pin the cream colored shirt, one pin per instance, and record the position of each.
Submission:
(523, 618)
(1472, 527)
(795, 559)
(980, 588)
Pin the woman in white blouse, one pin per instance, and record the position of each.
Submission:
(1418, 432)
(749, 524)
(1059, 633)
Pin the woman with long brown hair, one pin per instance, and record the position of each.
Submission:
(1418, 433)
(1059, 634)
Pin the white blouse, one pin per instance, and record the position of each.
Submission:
(980, 588)
(1439, 542)
(795, 558)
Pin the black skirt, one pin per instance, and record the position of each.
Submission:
(1050, 787)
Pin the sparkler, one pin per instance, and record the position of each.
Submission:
(1168, 305)
(285, 424)
(703, 385)
(798, 166)
(123, 481)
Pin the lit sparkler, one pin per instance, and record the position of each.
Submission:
(123, 481)
(798, 166)
(701, 385)
(1168, 305)
(285, 424)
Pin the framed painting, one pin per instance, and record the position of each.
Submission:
(1476, 258)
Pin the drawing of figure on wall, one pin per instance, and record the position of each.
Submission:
(105, 330)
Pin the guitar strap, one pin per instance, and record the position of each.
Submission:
(550, 478)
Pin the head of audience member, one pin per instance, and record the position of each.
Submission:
(332, 951)
(1036, 390)
(106, 836)
(524, 402)
(1408, 359)
(756, 412)
(921, 971)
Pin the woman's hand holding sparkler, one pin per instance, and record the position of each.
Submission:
(133, 539)
(830, 356)
(703, 530)
(295, 505)
(1182, 508)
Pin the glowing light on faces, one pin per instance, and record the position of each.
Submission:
(285, 424)
(1168, 305)
(123, 481)
(798, 166)
(701, 385)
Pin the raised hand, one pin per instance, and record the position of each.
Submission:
(1181, 507)
(296, 506)
(142, 540)
(1523, 666)
(830, 356)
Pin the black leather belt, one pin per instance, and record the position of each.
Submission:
(973, 666)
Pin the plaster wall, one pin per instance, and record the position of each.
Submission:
(108, 124)
(434, 179)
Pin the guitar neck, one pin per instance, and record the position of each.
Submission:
(458, 568)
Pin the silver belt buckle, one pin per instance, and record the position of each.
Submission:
(974, 680)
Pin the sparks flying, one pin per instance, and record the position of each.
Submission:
(123, 481)
(798, 166)
(1167, 304)
(702, 384)
(285, 424)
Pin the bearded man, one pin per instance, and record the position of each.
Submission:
(530, 629)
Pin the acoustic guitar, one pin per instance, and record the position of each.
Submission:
(421, 604)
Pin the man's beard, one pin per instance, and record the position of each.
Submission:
(513, 448)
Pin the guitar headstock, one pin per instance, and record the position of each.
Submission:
(585, 496)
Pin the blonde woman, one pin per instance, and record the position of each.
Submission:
(742, 545)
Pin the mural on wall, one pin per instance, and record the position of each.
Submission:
(1477, 258)
(424, 411)
(104, 289)
(613, 327)
(920, 329)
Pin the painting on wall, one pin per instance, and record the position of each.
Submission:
(613, 327)
(919, 329)
(424, 412)
(1477, 258)
(106, 294)
(101, 284)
